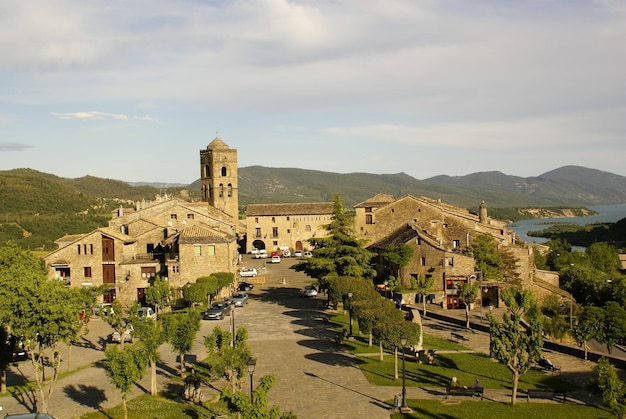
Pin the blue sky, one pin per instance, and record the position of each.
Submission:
(132, 90)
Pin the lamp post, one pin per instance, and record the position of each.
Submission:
(232, 319)
(251, 367)
(404, 408)
(350, 310)
(188, 285)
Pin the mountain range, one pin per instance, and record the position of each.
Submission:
(571, 186)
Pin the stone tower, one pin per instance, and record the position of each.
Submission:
(218, 176)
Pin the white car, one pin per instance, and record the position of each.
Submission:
(298, 253)
(308, 291)
(254, 251)
(308, 254)
(275, 259)
(146, 313)
(128, 335)
(262, 254)
(248, 272)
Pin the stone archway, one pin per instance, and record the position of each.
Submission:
(258, 244)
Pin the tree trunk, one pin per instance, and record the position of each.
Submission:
(124, 408)
(395, 363)
(467, 321)
(69, 356)
(424, 303)
(153, 381)
(181, 357)
(370, 340)
(380, 346)
(3, 381)
(515, 382)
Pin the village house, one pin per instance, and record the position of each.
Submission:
(441, 236)
(170, 237)
(286, 226)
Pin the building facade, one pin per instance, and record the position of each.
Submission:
(280, 226)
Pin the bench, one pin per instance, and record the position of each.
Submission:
(425, 356)
(546, 393)
(459, 337)
(553, 369)
(460, 391)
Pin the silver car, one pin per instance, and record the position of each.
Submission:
(240, 298)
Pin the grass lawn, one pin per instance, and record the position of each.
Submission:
(487, 410)
(160, 407)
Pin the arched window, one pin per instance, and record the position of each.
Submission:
(223, 170)
(230, 189)
(207, 170)
(221, 193)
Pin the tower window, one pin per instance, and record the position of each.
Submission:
(221, 193)
(230, 189)
(224, 171)
(207, 170)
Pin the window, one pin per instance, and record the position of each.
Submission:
(78, 248)
(273, 219)
(230, 189)
(288, 218)
(456, 244)
(288, 231)
(368, 219)
(257, 232)
(307, 227)
(91, 249)
(197, 250)
(256, 220)
(274, 231)
(207, 170)
(221, 191)
(174, 269)
(423, 261)
(368, 209)
(190, 216)
(211, 250)
(449, 261)
(224, 171)
(275, 243)
(173, 217)
(87, 271)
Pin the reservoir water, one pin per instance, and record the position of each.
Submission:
(606, 214)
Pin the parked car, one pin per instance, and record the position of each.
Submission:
(286, 253)
(308, 291)
(297, 253)
(146, 313)
(18, 352)
(217, 311)
(128, 335)
(262, 254)
(245, 286)
(102, 308)
(275, 259)
(248, 272)
(308, 254)
(240, 298)
(254, 251)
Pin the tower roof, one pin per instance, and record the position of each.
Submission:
(217, 143)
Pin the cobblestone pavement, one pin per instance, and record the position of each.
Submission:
(289, 338)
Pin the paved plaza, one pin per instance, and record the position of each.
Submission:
(315, 377)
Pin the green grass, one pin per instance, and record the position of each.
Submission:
(160, 407)
(438, 409)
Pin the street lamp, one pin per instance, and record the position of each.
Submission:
(404, 408)
(251, 367)
(232, 319)
(188, 285)
(350, 310)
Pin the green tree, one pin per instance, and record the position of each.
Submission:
(584, 283)
(589, 325)
(487, 258)
(423, 285)
(239, 402)
(398, 257)
(338, 254)
(614, 326)
(225, 359)
(605, 381)
(124, 368)
(151, 337)
(603, 257)
(180, 331)
(159, 293)
(468, 293)
(511, 344)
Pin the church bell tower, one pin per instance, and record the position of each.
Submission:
(218, 176)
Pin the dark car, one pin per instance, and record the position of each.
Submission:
(18, 351)
(217, 311)
(245, 286)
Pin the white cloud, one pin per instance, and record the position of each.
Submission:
(13, 146)
(90, 116)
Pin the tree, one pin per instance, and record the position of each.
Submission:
(589, 325)
(605, 381)
(180, 331)
(369, 312)
(225, 359)
(159, 293)
(488, 259)
(388, 332)
(241, 404)
(613, 327)
(423, 285)
(151, 337)
(124, 368)
(398, 256)
(603, 257)
(468, 293)
(512, 345)
(338, 254)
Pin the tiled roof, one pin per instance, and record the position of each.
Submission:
(217, 143)
(310, 208)
(200, 234)
(376, 201)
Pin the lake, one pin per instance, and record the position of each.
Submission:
(606, 214)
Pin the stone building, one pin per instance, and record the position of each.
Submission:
(168, 237)
(441, 236)
(279, 226)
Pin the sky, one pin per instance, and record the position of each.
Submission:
(134, 89)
